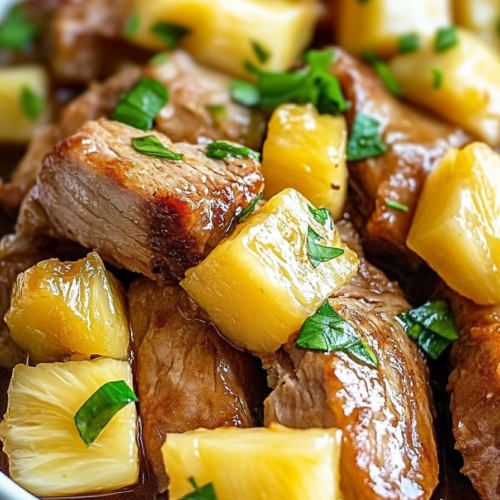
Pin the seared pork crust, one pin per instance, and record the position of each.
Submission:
(153, 216)
(388, 449)
(416, 143)
(188, 376)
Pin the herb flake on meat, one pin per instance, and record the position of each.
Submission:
(365, 140)
(150, 145)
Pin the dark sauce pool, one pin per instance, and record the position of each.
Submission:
(453, 485)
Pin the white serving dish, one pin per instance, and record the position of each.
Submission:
(9, 490)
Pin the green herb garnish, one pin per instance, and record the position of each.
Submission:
(16, 31)
(384, 72)
(150, 145)
(218, 111)
(312, 84)
(319, 253)
(101, 407)
(139, 106)
(365, 140)
(250, 209)
(446, 38)
(437, 78)
(327, 331)
(408, 43)
(31, 103)
(206, 492)
(170, 33)
(397, 206)
(261, 52)
(432, 325)
(132, 24)
(321, 215)
(221, 150)
(159, 59)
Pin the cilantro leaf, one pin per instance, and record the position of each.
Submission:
(408, 43)
(170, 34)
(244, 92)
(15, 30)
(132, 24)
(150, 145)
(206, 492)
(446, 38)
(32, 103)
(327, 331)
(321, 215)
(384, 72)
(319, 253)
(220, 150)
(261, 52)
(365, 140)
(247, 211)
(433, 344)
(438, 77)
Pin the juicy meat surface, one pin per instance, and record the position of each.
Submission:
(475, 391)
(388, 449)
(416, 143)
(188, 376)
(149, 215)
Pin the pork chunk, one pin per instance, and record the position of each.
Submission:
(188, 376)
(149, 215)
(388, 449)
(416, 142)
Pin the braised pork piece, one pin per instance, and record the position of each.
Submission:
(388, 448)
(148, 215)
(188, 376)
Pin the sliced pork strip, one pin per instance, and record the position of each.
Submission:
(152, 216)
(388, 450)
(416, 143)
(188, 376)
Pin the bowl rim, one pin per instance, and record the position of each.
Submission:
(9, 490)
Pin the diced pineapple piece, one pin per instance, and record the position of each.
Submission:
(60, 309)
(480, 16)
(15, 124)
(307, 151)
(469, 94)
(259, 285)
(46, 454)
(377, 25)
(456, 228)
(277, 463)
(222, 31)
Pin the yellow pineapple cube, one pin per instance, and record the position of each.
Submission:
(307, 151)
(376, 25)
(222, 31)
(260, 284)
(46, 454)
(469, 93)
(481, 17)
(277, 463)
(456, 228)
(62, 309)
(15, 124)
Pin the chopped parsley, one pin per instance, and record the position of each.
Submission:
(319, 253)
(150, 145)
(365, 140)
(432, 325)
(384, 72)
(321, 215)
(437, 78)
(16, 31)
(159, 59)
(397, 206)
(327, 331)
(250, 209)
(132, 24)
(170, 34)
(446, 38)
(206, 492)
(221, 150)
(311, 84)
(139, 106)
(101, 407)
(408, 43)
(261, 52)
(218, 111)
(32, 103)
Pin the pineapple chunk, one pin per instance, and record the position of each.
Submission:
(258, 286)
(377, 25)
(73, 308)
(222, 31)
(481, 17)
(46, 454)
(277, 463)
(307, 151)
(15, 125)
(456, 229)
(469, 95)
